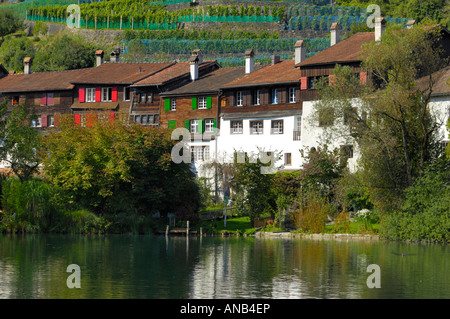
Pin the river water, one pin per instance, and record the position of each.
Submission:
(35, 266)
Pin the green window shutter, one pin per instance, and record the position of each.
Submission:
(172, 124)
(167, 104)
(186, 124)
(208, 102)
(194, 103)
(215, 124)
(200, 126)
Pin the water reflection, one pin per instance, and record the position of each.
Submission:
(178, 267)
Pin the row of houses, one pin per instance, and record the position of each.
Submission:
(226, 110)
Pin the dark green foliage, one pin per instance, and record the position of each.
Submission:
(425, 215)
(64, 53)
(13, 50)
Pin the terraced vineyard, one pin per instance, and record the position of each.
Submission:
(276, 25)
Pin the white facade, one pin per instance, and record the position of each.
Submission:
(278, 134)
(440, 108)
(332, 136)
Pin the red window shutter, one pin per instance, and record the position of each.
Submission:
(98, 94)
(331, 80)
(303, 83)
(50, 99)
(77, 119)
(363, 77)
(44, 99)
(114, 94)
(112, 116)
(81, 95)
(44, 120)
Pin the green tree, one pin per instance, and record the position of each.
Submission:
(14, 50)
(20, 142)
(136, 51)
(64, 52)
(109, 166)
(253, 189)
(390, 121)
(9, 22)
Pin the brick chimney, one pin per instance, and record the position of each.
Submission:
(199, 54)
(335, 31)
(99, 57)
(114, 56)
(249, 61)
(299, 51)
(380, 26)
(27, 65)
(275, 59)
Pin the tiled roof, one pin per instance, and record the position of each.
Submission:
(281, 72)
(441, 82)
(210, 82)
(170, 73)
(120, 73)
(41, 81)
(347, 50)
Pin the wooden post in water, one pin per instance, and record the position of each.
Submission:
(167, 230)
(187, 229)
(201, 232)
(120, 23)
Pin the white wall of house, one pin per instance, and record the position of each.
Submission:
(269, 140)
(440, 108)
(333, 136)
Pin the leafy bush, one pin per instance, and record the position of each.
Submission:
(426, 212)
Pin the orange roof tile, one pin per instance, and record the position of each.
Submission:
(170, 73)
(120, 73)
(281, 72)
(347, 50)
(41, 81)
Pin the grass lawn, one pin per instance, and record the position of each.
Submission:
(242, 225)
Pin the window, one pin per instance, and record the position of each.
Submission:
(236, 127)
(257, 97)
(346, 153)
(151, 119)
(199, 153)
(277, 127)
(239, 99)
(193, 128)
(202, 102)
(292, 98)
(298, 128)
(275, 96)
(50, 120)
(173, 104)
(287, 159)
(311, 82)
(209, 125)
(90, 94)
(126, 94)
(36, 122)
(15, 100)
(350, 115)
(137, 118)
(256, 127)
(143, 97)
(46, 99)
(106, 95)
